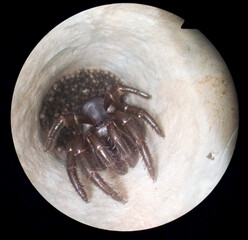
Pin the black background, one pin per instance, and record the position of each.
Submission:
(25, 213)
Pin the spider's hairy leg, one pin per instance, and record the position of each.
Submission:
(118, 90)
(96, 178)
(126, 89)
(97, 163)
(132, 148)
(101, 151)
(123, 150)
(73, 176)
(132, 127)
(141, 113)
(62, 121)
(53, 133)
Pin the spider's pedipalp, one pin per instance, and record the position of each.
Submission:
(123, 150)
(101, 151)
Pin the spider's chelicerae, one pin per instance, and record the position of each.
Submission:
(106, 132)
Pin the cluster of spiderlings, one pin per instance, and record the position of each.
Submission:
(67, 95)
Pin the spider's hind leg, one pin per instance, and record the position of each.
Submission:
(141, 113)
(119, 90)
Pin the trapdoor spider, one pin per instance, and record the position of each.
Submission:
(107, 135)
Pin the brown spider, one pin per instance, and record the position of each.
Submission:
(107, 135)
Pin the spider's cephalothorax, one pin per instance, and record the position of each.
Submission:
(105, 134)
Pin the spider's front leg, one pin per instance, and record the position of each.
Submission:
(132, 127)
(124, 152)
(77, 154)
(84, 160)
(62, 121)
(100, 150)
(53, 133)
(71, 166)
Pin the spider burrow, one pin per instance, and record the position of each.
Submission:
(85, 115)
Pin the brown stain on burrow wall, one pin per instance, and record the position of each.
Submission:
(217, 87)
(216, 83)
(218, 96)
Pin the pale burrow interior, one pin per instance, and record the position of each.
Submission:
(193, 100)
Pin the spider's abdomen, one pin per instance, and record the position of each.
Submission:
(93, 110)
(69, 93)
